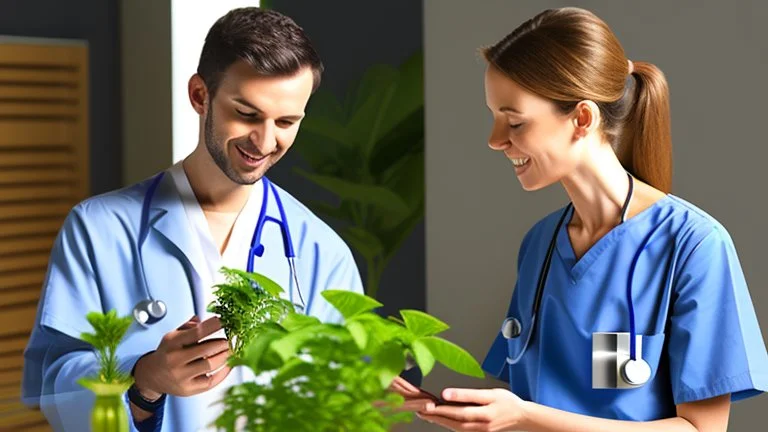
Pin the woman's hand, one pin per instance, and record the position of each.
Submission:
(499, 410)
(415, 400)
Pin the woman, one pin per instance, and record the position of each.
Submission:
(625, 257)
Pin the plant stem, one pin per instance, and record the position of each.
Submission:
(374, 269)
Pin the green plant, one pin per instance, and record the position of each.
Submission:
(335, 377)
(109, 330)
(244, 303)
(369, 152)
(108, 413)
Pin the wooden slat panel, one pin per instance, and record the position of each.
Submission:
(25, 245)
(35, 176)
(38, 93)
(17, 228)
(18, 319)
(35, 109)
(9, 194)
(62, 77)
(40, 133)
(10, 392)
(47, 158)
(41, 427)
(34, 210)
(11, 376)
(13, 360)
(17, 420)
(10, 407)
(18, 296)
(21, 279)
(23, 262)
(13, 343)
(44, 55)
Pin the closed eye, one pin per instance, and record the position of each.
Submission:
(516, 126)
(248, 115)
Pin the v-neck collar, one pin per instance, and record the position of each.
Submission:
(241, 230)
(579, 267)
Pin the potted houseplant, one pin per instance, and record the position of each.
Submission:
(109, 385)
(326, 377)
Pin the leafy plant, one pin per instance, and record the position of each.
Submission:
(244, 303)
(109, 330)
(335, 377)
(369, 152)
(108, 413)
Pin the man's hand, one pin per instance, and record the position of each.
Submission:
(182, 365)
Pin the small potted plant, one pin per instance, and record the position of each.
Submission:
(326, 377)
(110, 384)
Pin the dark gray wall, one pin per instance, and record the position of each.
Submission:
(97, 22)
(350, 36)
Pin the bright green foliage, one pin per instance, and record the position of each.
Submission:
(335, 377)
(109, 330)
(244, 303)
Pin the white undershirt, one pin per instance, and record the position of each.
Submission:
(235, 255)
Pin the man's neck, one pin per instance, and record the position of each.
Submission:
(214, 191)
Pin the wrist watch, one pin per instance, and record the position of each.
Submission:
(140, 401)
(135, 396)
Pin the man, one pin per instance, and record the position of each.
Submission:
(166, 238)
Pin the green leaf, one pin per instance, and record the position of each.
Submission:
(358, 332)
(423, 357)
(289, 345)
(296, 321)
(362, 241)
(422, 324)
(390, 360)
(377, 196)
(453, 356)
(256, 349)
(350, 303)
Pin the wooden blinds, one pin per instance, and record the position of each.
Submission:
(43, 173)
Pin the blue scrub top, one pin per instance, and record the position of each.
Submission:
(692, 307)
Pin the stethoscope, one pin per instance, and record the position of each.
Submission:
(634, 371)
(150, 310)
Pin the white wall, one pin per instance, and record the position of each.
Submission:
(716, 62)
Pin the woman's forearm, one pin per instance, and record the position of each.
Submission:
(541, 418)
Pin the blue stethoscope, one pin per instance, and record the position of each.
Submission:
(634, 371)
(151, 310)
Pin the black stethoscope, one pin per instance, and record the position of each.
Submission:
(634, 371)
(151, 310)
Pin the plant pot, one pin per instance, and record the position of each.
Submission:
(108, 414)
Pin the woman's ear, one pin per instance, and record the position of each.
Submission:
(198, 94)
(586, 118)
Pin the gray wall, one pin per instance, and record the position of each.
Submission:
(716, 62)
(97, 22)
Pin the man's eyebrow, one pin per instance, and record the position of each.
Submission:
(242, 101)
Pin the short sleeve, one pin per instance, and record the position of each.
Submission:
(495, 362)
(715, 344)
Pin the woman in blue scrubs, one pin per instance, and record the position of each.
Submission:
(624, 258)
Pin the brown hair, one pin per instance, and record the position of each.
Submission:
(569, 55)
(270, 42)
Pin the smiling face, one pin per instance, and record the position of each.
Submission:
(252, 120)
(541, 142)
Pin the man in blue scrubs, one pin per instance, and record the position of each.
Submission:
(255, 76)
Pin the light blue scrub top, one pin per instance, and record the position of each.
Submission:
(700, 333)
(94, 267)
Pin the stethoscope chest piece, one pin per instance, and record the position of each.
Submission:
(636, 372)
(149, 311)
(511, 328)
